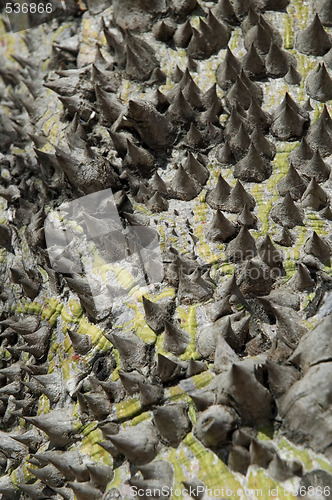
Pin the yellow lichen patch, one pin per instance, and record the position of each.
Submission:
(68, 345)
(51, 366)
(192, 413)
(13, 478)
(32, 307)
(49, 308)
(65, 326)
(75, 308)
(263, 209)
(44, 405)
(79, 427)
(328, 270)
(207, 254)
(204, 249)
(297, 452)
(87, 328)
(29, 477)
(6, 355)
(10, 41)
(200, 212)
(187, 316)
(202, 379)
(179, 476)
(308, 299)
(177, 394)
(310, 323)
(302, 235)
(168, 292)
(265, 435)
(212, 471)
(128, 408)
(88, 429)
(304, 67)
(263, 487)
(122, 274)
(280, 169)
(126, 90)
(103, 344)
(65, 366)
(19, 308)
(45, 64)
(67, 316)
(141, 328)
(138, 323)
(324, 465)
(288, 32)
(2, 255)
(117, 480)
(234, 42)
(316, 223)
(159, 345)
(184, 459)
(50, 314)
(76, 411)
(95, 451)
(50, 123)
(140, 418)
(60, 30)
(289, 266)
(162, 241)
(55, 348)
(146, 334)
(115, 373)
(317, 111)
(227, 269)
(91, 34)
(301, 13)
(55, 315)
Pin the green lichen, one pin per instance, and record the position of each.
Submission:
(296, 452)
(32, 307)
(187, 316)
(179, 477)
(323, 464)
(234, 42)
(140, 418)
(202, 379)
(175, 394)
(138, 324)
(192, 413)
(51, 310)
(44, 405)
(265, 487)
(212, 471)
(29, 477)
(128, 408)
(263, 209)
(117, 479)
(91, 447)
(288, 32)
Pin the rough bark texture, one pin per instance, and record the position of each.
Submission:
(165, 283)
